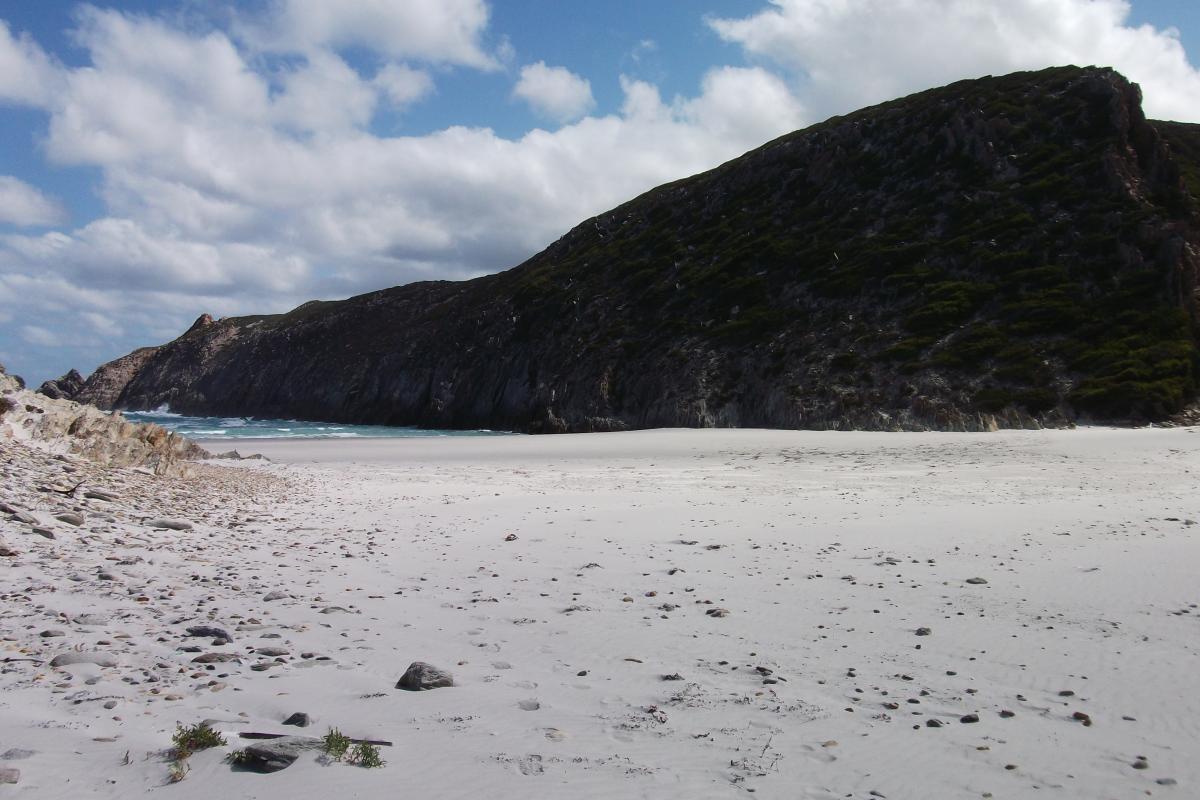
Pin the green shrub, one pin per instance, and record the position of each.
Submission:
(336, 744)
(194, 739)
(365, 755)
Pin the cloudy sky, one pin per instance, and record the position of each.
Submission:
(160, 159)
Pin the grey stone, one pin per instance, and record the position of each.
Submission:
(299, 719)
(274, 596)
(977, 581)
(70, 517)
(72, 657)
(208, 630)
(10, 775)
(99, 494)
(17, 754)
(170, 524)
(271, 651)
(43, 532)
(215, 658)
(273, 755)
(421, 676)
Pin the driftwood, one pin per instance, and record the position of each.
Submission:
(257, 735)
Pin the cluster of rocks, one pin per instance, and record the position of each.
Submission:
(64, 426)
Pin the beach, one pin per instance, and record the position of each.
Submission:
(657, 614)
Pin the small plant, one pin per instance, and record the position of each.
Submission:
(237, 757)
(365, 755)
(194, 739)
(336, 744)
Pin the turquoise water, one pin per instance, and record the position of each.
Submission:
(253, 428)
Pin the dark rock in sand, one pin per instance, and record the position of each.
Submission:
(215, 658)
(207, 631)
(299, 719)
(421, 676)
(72, 657)
(273, 755)
(170, 524)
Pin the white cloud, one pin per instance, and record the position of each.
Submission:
(323, 95)
(27, 75)
(402, 84)
(434, 31)
(22, 204)
(851, 54)
(554, 92)
(35, 334)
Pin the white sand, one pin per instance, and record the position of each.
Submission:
(829, 551)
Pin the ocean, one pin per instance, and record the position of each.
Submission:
(254, 428)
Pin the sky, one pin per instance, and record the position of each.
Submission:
(160, 159)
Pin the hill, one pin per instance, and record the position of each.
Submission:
(1003, 252)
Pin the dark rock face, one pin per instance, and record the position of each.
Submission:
(1007, 252)
(105, 385)
(64, 388)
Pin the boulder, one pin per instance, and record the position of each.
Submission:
(64, 388)
(421, 676)
(273, 755)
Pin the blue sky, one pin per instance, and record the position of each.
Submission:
(163, 159)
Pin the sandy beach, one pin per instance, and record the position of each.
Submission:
(661, 614)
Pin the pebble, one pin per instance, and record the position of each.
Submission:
(70, 517)
(299, 719)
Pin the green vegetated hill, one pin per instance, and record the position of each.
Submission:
(1008, 251)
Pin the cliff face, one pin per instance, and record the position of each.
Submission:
(104, 387)
(1012, 251)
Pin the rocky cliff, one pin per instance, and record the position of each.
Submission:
(1012, 251)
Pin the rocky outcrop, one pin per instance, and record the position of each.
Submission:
(105, 385)
(20, 382)
(1008, 252)
(63, 426)
(64, 388)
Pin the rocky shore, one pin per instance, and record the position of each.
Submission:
(63, 426)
